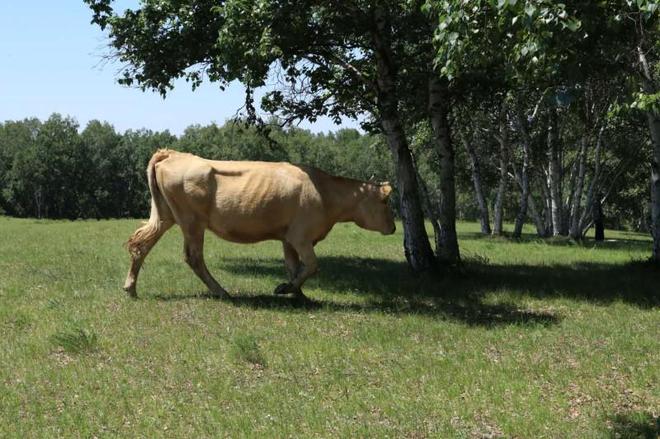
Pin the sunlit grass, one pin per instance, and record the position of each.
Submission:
(532, 338)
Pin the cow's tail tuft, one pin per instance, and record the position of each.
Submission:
(160, 211)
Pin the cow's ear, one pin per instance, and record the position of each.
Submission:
(385, 190)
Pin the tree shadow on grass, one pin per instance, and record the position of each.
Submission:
(641, 245)
(634, 283)
(472, 313)
(390, 287)
(635, 425)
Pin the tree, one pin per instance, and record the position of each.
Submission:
(627, 38)
(15, 136)
(344, 56)
(46, 176)
(409, 63)
(101, 177)
(647, 26)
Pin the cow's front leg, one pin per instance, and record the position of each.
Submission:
(291, 261)
(292, 264)
(308, 267)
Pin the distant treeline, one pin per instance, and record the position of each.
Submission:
(53, 169)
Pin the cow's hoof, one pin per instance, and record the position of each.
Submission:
(282, 289)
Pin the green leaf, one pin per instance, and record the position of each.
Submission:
(573, 24)
(530, 9)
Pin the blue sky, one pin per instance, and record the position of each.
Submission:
(50, 61)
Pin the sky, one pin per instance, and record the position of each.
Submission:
(51, 61)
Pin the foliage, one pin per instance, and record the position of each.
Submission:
(515, 37)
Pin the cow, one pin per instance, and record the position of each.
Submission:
(250, 201)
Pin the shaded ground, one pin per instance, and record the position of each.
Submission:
(453, 296)
(635, 425)
(635, 283)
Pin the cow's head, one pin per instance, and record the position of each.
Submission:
(373, 212)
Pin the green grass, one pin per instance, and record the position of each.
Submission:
(530, 339)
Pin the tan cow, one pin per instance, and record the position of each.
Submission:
(250, 202)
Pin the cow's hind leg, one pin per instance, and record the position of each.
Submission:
(194, 256)
(139, 245)
(292, 264)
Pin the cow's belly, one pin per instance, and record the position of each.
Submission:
(260, 208)
(246, 234)
(250, 222)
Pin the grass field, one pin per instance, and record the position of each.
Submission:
(530, 339)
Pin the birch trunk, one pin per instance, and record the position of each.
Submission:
(539, 223)
(547, 205)
(416, 243)
(446, 242)
(599, 227)
(478, 189)
(524, 178)
(587, 213)
(654, 126)
(653, 119)
(541, 228)
(575, 231)
(554, 177)
(498, 211)
(570, 192)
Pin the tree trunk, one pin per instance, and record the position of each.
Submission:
(498, 210)
(599, 227)
(654, 126)
(429, 209)
(417, 247)
(541, 228)
(593, 185)
(524, 178)
(554, 176)
(570, 193)
(575, 231)
(547, 203)
(653, 119)
(478, 189)
(447, 241)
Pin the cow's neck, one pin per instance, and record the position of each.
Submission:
(347, 198)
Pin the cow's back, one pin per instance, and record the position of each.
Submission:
(259, 200)
(243, 201)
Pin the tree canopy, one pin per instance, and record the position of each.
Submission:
(427, 65)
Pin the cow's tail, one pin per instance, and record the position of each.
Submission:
(161, 216)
